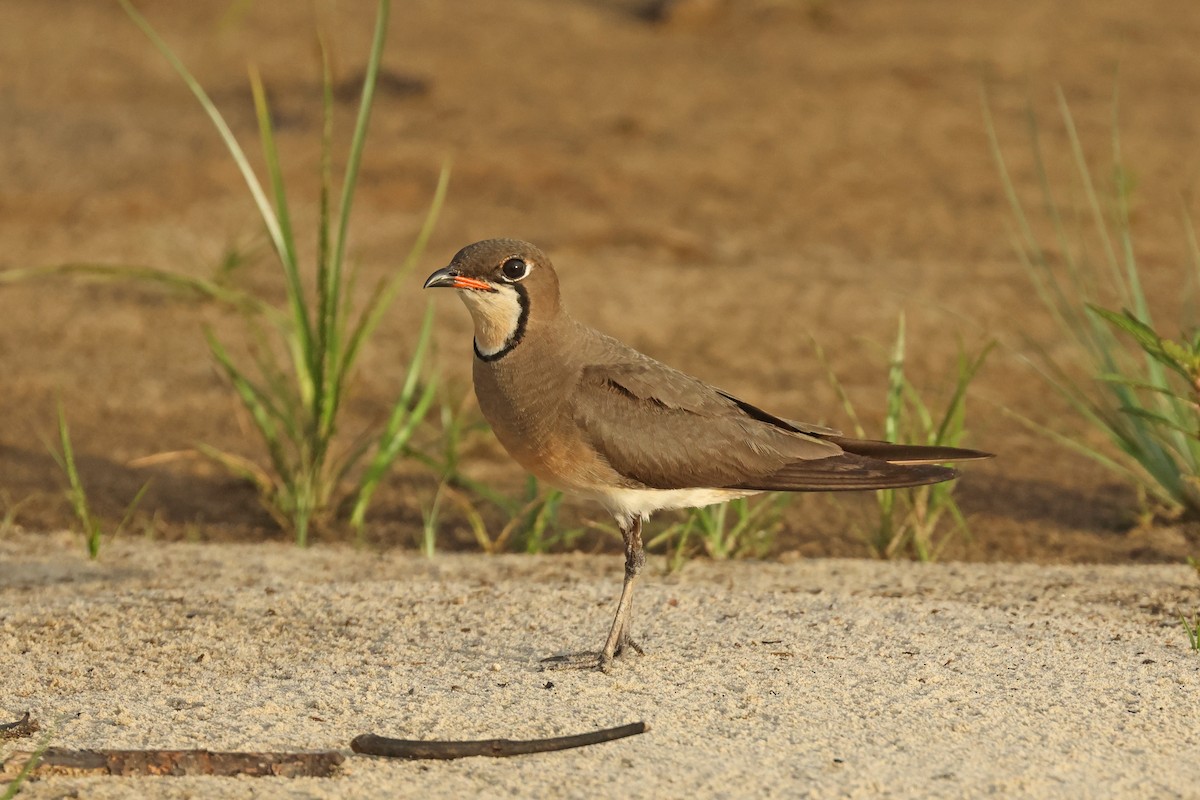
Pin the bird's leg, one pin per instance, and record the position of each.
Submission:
(619, 640)
(635, 558)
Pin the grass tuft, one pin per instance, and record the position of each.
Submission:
(1143, 387)
(742, 528)
(93, 531)
(532, 520)
(294, 400)
(912, 520)
(430, 518)
(1192, 629)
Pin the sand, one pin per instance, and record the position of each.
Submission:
(815, 678)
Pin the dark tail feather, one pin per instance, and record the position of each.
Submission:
(905, 454)
(846, 472)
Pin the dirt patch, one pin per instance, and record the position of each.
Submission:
(715, 184)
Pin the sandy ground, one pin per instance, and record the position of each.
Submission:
(826, 678)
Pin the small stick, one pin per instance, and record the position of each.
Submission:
(20, 729)
(64, 761)
(372, 745)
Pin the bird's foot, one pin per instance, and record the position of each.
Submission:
(591, 659)
(628, 644)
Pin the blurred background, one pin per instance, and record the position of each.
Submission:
(720, 184)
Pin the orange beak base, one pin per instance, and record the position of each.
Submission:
(463, 282)
(450, 278)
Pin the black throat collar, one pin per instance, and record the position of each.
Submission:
(517, 335)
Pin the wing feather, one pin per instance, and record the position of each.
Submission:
(847, 472)
(663, 429)
(667, 430)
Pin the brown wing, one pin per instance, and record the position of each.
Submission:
(666, 430)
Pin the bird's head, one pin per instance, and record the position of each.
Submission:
(502, 282)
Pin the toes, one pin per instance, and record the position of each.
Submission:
(588, 660)
(591, 659)
(628, 643)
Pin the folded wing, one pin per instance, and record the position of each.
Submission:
(663, 429)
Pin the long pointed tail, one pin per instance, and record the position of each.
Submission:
(906, 454)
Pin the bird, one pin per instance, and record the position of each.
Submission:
(595, 418)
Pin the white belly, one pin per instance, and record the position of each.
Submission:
(625, 503)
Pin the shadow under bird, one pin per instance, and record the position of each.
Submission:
(594, 417)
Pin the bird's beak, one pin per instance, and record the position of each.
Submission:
(450, 277)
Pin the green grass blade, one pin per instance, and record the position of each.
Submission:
(231, 143)
(361, 124)
(76, 492)
(1073, 444)
(205, 289)
(403, 421)
(1142, 385)
(1146, 337)
(463, 481)
(1160, 420)
(266, 132)
(1132, 401)
(1028, 239)
(1093, 201)
(1040, 269)
(130, 509)
(261, 409)
(337, 361)
(1173, 430)
(1192, 314)
(1123, 191)
(401, 426)
(955, 408)
(417, 361)
(1140, 331)
(287, 405)
(1132, 436)
(429, 524)
(300, 340)
(242, 468)
(895, 391)
(18, 782)
(328, 378)
(388, 290)
(839, 389)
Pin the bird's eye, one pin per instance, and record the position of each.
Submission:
(514, 269)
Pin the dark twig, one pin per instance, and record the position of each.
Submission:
(63, 761)
(372, 745)
(20, 729)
